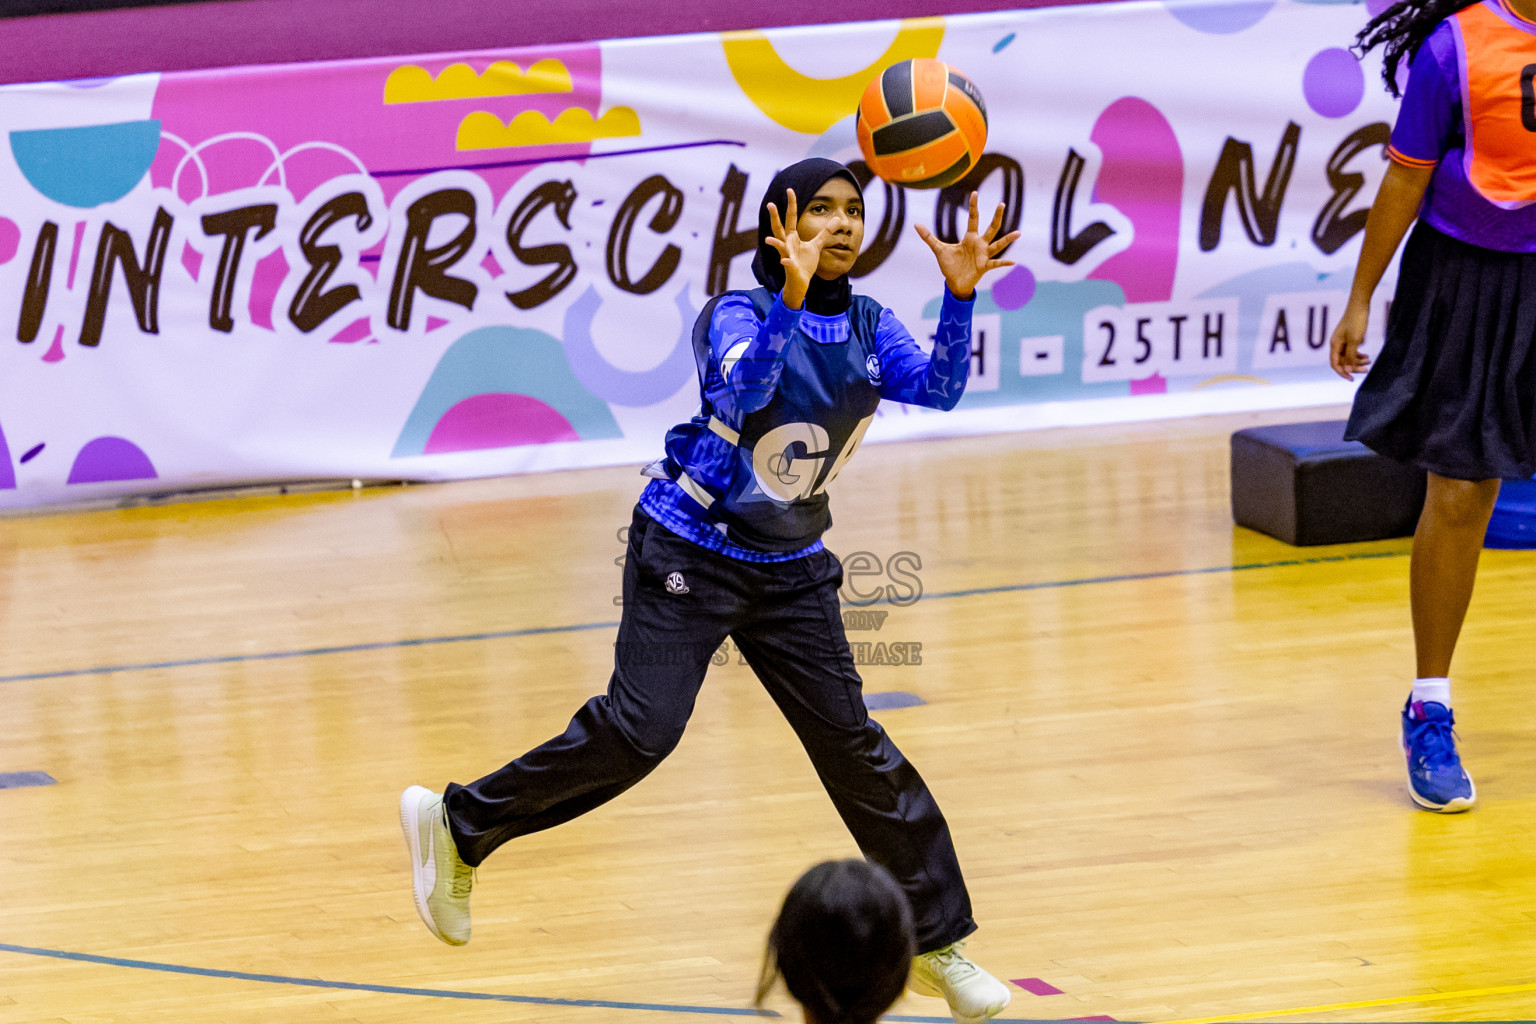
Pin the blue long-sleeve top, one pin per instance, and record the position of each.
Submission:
(750, 352)
(747, 359)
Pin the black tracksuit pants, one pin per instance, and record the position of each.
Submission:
(786, 621)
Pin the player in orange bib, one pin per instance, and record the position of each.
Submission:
(1454, 389)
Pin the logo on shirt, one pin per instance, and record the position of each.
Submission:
(790, 462)
(731, 358)
(872, 367)
(675, 584)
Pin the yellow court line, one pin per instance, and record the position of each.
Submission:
(1394, 1000)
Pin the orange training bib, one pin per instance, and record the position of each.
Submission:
(1498, 66)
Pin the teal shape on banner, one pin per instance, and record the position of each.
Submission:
(1251, 290)
(86, 167)
(497, 387)
(1055, 308)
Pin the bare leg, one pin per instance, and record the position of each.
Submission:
(1446, 548)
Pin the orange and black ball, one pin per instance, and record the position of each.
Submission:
(922, 124)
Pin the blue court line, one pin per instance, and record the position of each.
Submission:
(891, 700)
(505, 634)
(1133, 577)
(398, 990)
(435, 993)
(308, 652)
(21, 780)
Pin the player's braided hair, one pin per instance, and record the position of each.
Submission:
(1401, 29)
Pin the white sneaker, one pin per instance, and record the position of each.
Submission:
(973, 995)
(439, 879)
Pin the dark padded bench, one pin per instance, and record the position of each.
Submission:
(1513, 524)
(1304, 484)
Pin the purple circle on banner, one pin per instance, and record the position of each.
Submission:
(1014, 289)
(1375, 7)
(1219, 18)
(10, 240)
(111, 458)
(1333, 83)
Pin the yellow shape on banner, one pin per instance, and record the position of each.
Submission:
(1229, 378)
(812, 105)
(412, 84)
(482, 130)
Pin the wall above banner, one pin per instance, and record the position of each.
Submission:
(479, 263)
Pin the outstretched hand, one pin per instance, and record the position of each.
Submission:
(965, 262)
(800, 256)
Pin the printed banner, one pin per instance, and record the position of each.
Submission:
(471, 264)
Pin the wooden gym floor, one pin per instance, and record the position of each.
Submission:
(1166, 747)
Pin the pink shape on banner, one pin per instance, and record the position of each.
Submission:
(491, 265)
(343, 105)
(303, 172)
(497, 420)
(1037, 987)
(1156, 384)
(111, 458)
(192, 260)
(357, 330)
(1014, 289)
(74, 254)
(10, 239)
(230, 164)
(191, 185)
(1142, 177)
(434, 322)
(55, 351)
(264, 285)
(1099, 1016)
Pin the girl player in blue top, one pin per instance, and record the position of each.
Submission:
(726, 542)
(1454, 389)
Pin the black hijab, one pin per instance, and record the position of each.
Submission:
(806, 178)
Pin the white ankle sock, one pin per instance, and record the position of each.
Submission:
(1435, 688)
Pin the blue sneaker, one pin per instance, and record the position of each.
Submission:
(1436, 780)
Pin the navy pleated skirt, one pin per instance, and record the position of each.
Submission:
(1454, 389)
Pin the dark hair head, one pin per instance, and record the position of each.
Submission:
(1401, 29)
(806, 177)
(843, 942)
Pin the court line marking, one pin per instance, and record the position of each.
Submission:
(506, 634)
(436, 993)
(662, 1007)
(1007, 588)
(1430, 997)
(24, 780)
(308, 652)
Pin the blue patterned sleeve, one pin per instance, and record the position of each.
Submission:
(747, 355)
(908, 375)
